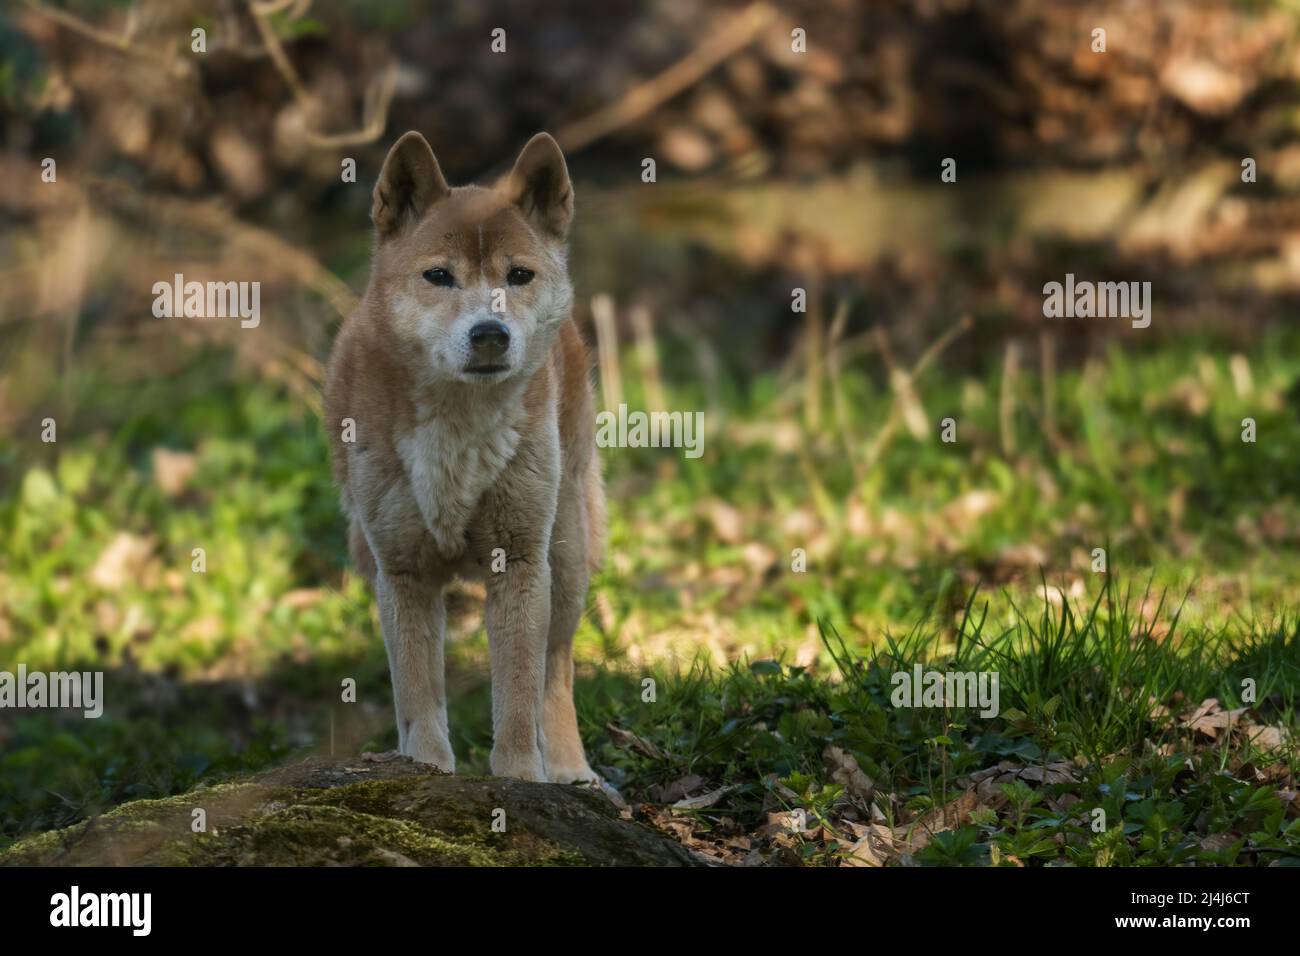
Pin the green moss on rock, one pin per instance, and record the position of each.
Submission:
(380, 812)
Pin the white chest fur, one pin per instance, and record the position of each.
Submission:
(450, 462)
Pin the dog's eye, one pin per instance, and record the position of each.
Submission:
(519, 276)
(440, 277)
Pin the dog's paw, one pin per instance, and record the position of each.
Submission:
(524, 766)
(588, 779)
(580, 773)
(427, 745)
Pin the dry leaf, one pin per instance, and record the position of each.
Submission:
(727, 520)
(874, 846)
(846, 772)
(1210, 718)
(679, 788)
(915, 835)
(625, 738)
(705, 799)
(122, 561)
(1267, 738)
(172, 470)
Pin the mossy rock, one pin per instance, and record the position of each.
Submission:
(366, 811)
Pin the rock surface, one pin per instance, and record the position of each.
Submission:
(374, 810)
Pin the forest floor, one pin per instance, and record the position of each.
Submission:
(736, 672)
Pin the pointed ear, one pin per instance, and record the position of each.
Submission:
(539, 185)
(409, 183)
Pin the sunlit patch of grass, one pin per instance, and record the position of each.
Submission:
(1145, 460)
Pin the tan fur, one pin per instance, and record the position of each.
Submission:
(451, 462)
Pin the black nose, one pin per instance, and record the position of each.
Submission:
(489, 338)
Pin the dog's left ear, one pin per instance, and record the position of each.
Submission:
(539, 185)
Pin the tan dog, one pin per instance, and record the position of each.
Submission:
(466, 383)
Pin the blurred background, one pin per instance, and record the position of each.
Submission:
(775, 170)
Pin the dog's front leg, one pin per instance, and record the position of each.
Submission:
(413, 616)
(518, 618)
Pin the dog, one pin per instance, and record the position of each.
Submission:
(459, 404)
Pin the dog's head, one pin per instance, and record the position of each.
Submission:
(474, 278)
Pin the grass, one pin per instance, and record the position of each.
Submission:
(1082, 728)
(769, 681)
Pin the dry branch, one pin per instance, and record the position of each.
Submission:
(739, 32)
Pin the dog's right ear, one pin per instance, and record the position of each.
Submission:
(410, 182)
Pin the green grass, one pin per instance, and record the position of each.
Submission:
(758, 668)
(1149, 464)
(1078, 689)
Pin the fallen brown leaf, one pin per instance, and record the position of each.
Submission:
(172, 470)
(626, 738)
(846, 772)
(704, 800)
(874, 846)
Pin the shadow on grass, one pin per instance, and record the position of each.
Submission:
(160, 735)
